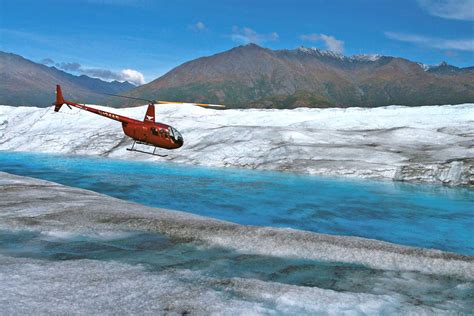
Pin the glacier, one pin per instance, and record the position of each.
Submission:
(394, 279)
(432, 144)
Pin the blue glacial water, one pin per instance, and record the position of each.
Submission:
(416, 215)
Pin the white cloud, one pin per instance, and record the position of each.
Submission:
(330, 42)
(246, 35)
(200, 26)
(449, 9)
(440, 43)
(132, 76)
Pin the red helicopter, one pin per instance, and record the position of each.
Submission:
(146, 132)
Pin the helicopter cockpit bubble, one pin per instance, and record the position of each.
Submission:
(175, 135)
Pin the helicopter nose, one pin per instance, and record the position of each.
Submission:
(180, 141)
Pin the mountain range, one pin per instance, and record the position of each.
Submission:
(253, 76)
(23, 82)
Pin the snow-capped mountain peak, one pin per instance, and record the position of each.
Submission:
(425, 67)
(314, 51)
(366, 57)
(319, 52)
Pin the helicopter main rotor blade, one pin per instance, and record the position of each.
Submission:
(127, 97)
(204, 105)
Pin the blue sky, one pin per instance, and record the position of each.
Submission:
(128, 39)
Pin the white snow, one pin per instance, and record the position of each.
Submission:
(366, 57)
(425, 67)
(320, 52)
(314, 51)
(428, 143)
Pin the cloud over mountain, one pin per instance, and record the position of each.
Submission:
(330, 42)
(130, 75)
(246, 35)
(24, 82)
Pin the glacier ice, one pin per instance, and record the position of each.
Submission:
(426, 143)
(94, 287)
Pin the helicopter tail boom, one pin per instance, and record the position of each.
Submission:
(60, 101)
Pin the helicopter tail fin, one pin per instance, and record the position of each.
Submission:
(150, 114)
(59, 99)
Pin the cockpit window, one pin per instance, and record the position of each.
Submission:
(175, 135)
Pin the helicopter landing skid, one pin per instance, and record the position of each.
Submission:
(145, 152)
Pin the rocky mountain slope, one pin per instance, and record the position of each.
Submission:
(23, 82)
(252, 76)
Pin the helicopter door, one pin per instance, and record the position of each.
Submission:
(144, 133)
